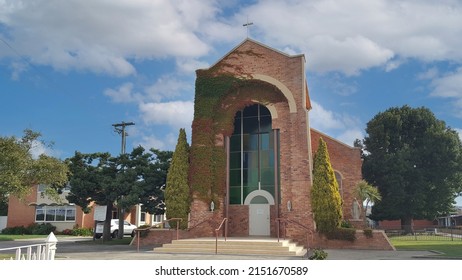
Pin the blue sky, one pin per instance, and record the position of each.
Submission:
(71, 69)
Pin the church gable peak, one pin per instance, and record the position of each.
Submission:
(253, 48)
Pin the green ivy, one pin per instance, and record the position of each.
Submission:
(217, 100)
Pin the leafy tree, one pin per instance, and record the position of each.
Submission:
(92, 181)
(125, 180)
(325, 196)
(3, 205)
(368, 194)
(416, 162)
(177, 193)
(155, 179)
(19, 170)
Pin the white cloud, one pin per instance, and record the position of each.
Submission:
(350, 55)
(337, 85)
(346, 36)
(167, 87)
(448, 86)
(350, 36)
(459, 131)
(39, 148)
(167, 143)
(178, 114)
(123, 94)
(349, 136)
(103, 37)
(323, 119)
(342, 127)
(189, 66)
(393, 64)
(428, 74)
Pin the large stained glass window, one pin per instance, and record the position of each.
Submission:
(251, 153)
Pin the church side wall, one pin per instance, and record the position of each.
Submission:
(347, 161)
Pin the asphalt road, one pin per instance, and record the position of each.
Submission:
(82, 248)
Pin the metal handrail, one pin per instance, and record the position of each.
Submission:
(285, 220)
(225, 222)
(199, 223)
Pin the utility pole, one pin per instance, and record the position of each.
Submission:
(120, 128)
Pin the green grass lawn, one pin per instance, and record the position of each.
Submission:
(10, 237)
(448, 248)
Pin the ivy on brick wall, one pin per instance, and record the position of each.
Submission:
(219, 95)
(207, 171)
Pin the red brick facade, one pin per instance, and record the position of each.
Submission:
(285, 75)
(22, 212)
(19, 212)
(347, 162)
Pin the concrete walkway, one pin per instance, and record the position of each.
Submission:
(72, 248)
(78, 250)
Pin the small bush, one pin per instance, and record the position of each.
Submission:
(318, 254)
(19, 230)
(144, 233)
(41, 229)
(346, 224)
(67, 232)
(82, 232)
(368, 232)
(342, 234)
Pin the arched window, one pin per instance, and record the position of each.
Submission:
(338, 177)
(251, 154)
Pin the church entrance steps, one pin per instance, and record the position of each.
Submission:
(234, 246)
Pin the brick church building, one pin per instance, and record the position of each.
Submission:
(252, 147)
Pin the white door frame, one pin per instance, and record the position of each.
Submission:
(259, 214)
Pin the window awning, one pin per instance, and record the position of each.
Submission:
(50, 204)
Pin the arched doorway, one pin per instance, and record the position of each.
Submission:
(252, 166)
(259, 202)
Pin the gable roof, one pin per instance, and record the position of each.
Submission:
(307, 99)
(335, 140)
(257, 43)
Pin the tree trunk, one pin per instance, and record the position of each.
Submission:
(107, 222)
(121, 223)
(407, 225)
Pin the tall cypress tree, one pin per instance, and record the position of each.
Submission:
(325, 196)
(177, 193)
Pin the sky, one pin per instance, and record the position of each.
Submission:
(71, 69)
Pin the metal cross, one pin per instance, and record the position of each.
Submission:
(248, 26)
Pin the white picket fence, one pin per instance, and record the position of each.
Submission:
(42, 251)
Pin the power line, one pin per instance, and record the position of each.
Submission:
(22, 57)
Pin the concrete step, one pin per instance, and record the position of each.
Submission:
(241, 246)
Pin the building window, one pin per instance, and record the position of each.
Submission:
(158, 219)
(55, 213)
(251, 153)
(143, 218)
(338, 177)
(41, 188)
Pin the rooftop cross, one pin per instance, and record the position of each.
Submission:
(248, 26)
